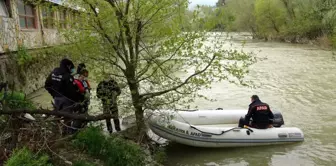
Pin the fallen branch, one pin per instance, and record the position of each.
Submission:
(60, 113)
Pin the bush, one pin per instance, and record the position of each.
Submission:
(83, 163)
(17, 100)
(27, 158)
(160, 155)
(113, 150)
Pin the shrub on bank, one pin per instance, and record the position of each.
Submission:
(159, 155)
(112, 150)
(16, 100)
(27, 158)
(83, 163)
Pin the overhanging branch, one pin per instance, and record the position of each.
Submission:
(150, 62)
(106, 36)
(186, 81)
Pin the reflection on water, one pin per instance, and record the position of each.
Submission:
(263, 155)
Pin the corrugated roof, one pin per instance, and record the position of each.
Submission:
(63, 3)
(59, 2)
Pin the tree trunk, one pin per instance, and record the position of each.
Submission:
(140, 122)
(289, 8)
(139, 111)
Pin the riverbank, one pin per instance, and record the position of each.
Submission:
(323, 42)
(58, 149)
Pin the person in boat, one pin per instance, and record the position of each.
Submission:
(61, 86)
(108, 91)
(84, 89)
(260, 113)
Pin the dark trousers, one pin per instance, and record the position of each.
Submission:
(116, 124)
(81, 111)
(66, 105)
(243, 122)
(112, 109)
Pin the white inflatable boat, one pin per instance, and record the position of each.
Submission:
(219, 128)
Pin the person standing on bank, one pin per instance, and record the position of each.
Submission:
(61, 86)
(81, 79)
(260, 113)
(108, 91)
(84, 88)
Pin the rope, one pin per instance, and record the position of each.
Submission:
(223, 132)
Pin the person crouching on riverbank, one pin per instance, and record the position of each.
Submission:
(108, 91)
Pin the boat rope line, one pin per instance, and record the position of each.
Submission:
(223, 132)
(223, 140)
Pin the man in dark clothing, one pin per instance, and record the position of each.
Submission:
(60, 83)
(260, 112)
(61, 86)
(108, 91)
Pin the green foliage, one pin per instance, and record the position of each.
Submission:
(83, 163)
(27, 158)
(16, 100)
(160, 156)
(270, 16)
(23, 56)
(112, 150)
(281, 19)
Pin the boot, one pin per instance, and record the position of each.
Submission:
(109, 125)
(117, 124)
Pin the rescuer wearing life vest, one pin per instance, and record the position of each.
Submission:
(260, 113)
(84, 88)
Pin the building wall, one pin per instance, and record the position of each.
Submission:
(30, 76)
(11, 35)
(8, 35)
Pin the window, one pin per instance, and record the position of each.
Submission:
(48, 18)
(62, 19)
(4, 8)
(26, 15)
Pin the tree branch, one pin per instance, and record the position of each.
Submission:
(120, 17)
(137, 39)
(112, 62)
(59, 113)
(107, 37)
(153, 94)
(127, 7)
(158, 64)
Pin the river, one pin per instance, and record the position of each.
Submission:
(299, 80)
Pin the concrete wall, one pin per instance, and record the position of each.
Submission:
(30, 76)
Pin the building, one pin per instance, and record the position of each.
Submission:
(26, 27)
(32, 25)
